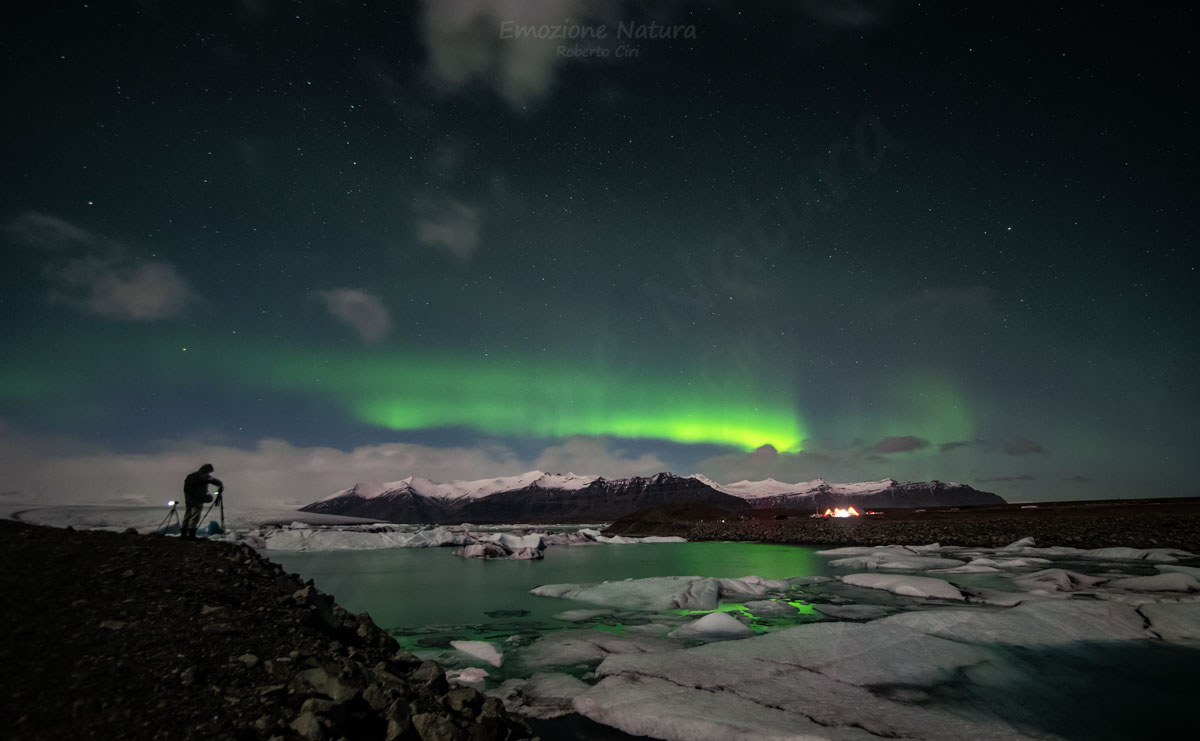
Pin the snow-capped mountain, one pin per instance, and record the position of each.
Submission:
(819, 493)
(537, 496)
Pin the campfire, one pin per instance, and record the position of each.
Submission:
(839, 512)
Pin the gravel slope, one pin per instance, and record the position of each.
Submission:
(112, 636)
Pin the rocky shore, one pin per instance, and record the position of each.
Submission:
(1099, 531)
(125, 636)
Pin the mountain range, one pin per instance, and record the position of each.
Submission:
(542, 497)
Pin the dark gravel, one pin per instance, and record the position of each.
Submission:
(1100, 531)
(113, 636)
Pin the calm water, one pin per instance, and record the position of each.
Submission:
(412, 588)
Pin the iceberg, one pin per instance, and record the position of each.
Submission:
(714, 626)
(481, 650)
(1169, 582)
(908, 586)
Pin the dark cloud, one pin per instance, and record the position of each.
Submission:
(1022, 446)
(975, 299)
(1006, 479)
(1013, 446)
(947, 447)
(1078, 479)
(899, 444)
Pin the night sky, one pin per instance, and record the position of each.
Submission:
(317, 243)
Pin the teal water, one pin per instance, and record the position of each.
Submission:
(418, 588)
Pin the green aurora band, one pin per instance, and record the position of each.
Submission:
(407, 392)
(416, 390)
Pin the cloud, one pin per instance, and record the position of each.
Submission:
(363, 312)
(1021, 446)
(1006, 479)
(465, 49)
(133, 291)
(271, 472)
(901, 444)
(1013, 446)
(46, 231)
(590, 455)
(971, 299)
(94, 275)
(449, 224)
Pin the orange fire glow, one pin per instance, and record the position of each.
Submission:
(839, 512)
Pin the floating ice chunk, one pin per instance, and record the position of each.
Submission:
(544, 695)
(580, 616)
(998, 596)
(813, 673)
(1174, 621)
(513, 542)
(852, 612)
(970, 568)
(771, 608)
(1032, 623)
(574, 647)
(1168, 582)
(1189, 570)
(657, 593)
(801, 581)
(483, 550)
(1057, 580)
(340, 539)
(579, 538)
(713, 626)
(891, 562)
(1010, 563)
(481, 650)
(869, 550)
(909, 586)
(1022, 543)
(527, 554)
(750, 586)
(1162, 555)
(470, 675)
(648, 706)
(625, 540)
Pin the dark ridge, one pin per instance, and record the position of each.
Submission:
(132, 636)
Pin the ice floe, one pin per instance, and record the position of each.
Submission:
(908, 586)
(713, 626)
(481, 650)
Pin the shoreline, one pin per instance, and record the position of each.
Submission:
(1129, 523)
(143, 636)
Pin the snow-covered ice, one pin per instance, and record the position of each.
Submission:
(908, 586)
(481, 650)
(713, 626)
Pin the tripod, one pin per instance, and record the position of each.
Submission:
(220, 500)
(174, 513)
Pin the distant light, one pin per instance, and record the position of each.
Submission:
(171, 503)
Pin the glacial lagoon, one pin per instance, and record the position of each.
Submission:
(931, 643)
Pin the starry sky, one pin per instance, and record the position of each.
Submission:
(318, 242)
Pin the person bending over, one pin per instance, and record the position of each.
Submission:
(195, 494)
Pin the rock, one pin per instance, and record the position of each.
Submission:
(317, 706)
(434, 727)
(307, 726)
(432, 676)
(460, 699)
(187, 677)
(376, 697)
(218, 628)
(248, 660)
(113, 624)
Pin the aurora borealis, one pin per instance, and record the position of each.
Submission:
(850, 240)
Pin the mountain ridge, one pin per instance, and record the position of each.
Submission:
(538, 496)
